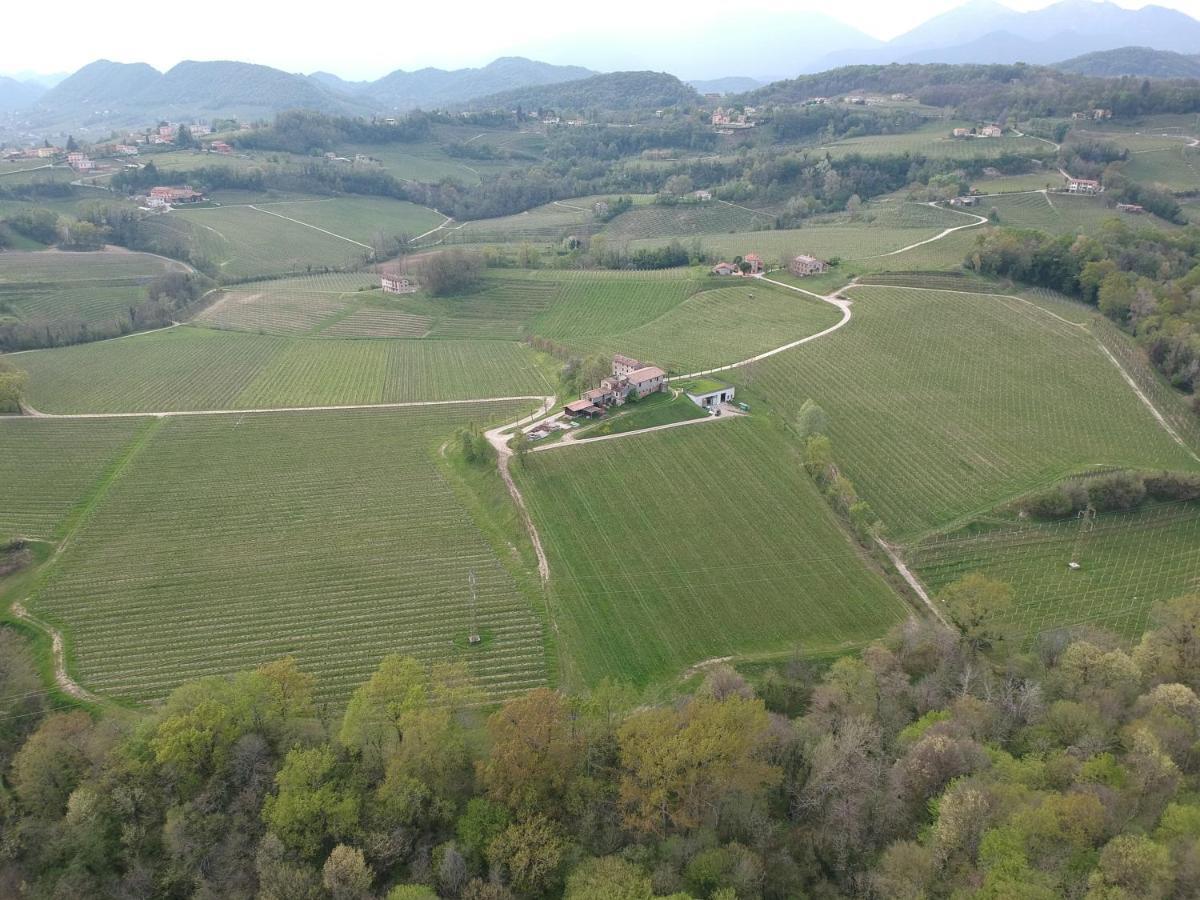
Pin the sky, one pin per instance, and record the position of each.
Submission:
(369, 38)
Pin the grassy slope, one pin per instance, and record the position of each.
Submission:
(194, 368)
(945, 404)
(230, 541)
(672, 547)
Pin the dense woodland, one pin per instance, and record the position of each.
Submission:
(934, 762)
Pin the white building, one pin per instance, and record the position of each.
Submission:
(397, 284)
(713, 397)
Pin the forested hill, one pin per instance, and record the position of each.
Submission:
(989, 90)
(617, 91)
(1141, 61)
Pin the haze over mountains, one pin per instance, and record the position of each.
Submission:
(107, 93)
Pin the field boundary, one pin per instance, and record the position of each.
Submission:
(62, 677)
(166, 414)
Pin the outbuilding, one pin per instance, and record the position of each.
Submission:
(707, 393)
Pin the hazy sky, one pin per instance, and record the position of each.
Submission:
(368, 38)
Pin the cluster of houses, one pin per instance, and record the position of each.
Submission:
(752, 264)
(992, 130)
(33, 153)
(732, 119)
(630, 378)
(397, 284)
(164, 197)
(1095, 115)
(1083, 186)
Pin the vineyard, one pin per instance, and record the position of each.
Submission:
(935, 142)
(288, 305)
(197, 368)
(48, 467)
(1057, 213)
(363, 219)
(1176, 167)
(1127, 561)
(938, 406)
(87, 287)
(677, 546)
(229, 541)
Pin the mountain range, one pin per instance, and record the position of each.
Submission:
(112, 94)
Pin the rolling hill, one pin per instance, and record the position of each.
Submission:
(402, 90)
(614, 91)
(1142, 61)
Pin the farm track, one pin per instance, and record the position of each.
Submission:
(62, 678)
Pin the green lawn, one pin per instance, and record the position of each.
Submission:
(945, 404)
(673, 547)
(229, 541)
(197, 368)
(1128, 561)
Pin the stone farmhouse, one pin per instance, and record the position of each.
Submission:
(629, 378)
(1083, 186)
(397, 284)
(805, 265)
(172, 196)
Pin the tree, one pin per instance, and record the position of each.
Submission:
(679, 765)
(811, 420)
(979, 606)
(678, 185)
(1131, 866)
(535, 752)
(519, 447)
(12, 386)
(346, 874)
(608, 878)
(51, 763)
(531, 852)
(313, 805)
(451, 272)
(380, 710)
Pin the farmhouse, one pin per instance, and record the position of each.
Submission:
(756, 263)
(172, 196)
(629, 377)
(79, 162)
(805, 265)
(991, 131)
(702, 196)
(708, 393)
(125, 150)
(964, 201)
(961, 132)
(623, 365)
(1099, 114)
(1083, 186)
(397, 284)
(1135, 208)
(220, 147)
(47, 152)
(725, 268)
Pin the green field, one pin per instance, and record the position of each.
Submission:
(677, 546)
(662, 408)
(229, 541)
(246, 242)
(53, 286)
(720, 325)
(363, 219)
(48, 467)
(196, 368)
(934, 141)
(1176, 167)
(684, 220)
(1128, 561)
(939, 404)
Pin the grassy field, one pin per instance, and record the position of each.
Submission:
(676, 546)
(657, 409)
(363, 219)
(1128, 561)
(196, 368)
(935, 141)
(543, 224)
(939, 405)
(1176, 167)
(229, 541)
(245, 242)
(48, 467)
(684, 220)
(53, 286)
(723, 324)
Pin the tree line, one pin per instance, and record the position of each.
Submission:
(936, 762)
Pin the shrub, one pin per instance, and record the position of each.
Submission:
(1058, 502)
(1123, 490)
(1172, 486)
